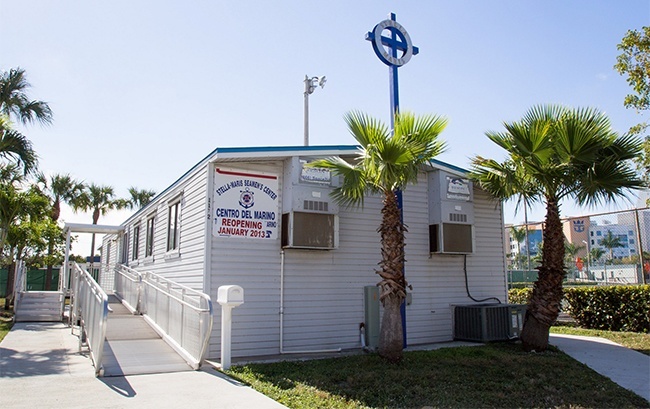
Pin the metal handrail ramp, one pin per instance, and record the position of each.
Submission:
(181, 315)
(151, 325)
(133, 347)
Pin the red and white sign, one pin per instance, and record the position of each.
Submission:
(245, 204)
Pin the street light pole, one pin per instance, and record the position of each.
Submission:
(588, 259)
(310, 86)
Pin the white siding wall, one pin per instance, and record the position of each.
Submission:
(253, 264)
(323, 290)
(438, 279)
(185, 266)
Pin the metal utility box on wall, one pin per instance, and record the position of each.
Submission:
(309, 215)
(451, 213)
(488, 322)
(371, 315)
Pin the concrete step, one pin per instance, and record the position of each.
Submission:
(39, 306)
(37, 317)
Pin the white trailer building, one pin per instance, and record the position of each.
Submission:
(255, 217)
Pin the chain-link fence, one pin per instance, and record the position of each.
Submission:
(605, 248)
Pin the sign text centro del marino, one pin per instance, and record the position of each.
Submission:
(245, 205)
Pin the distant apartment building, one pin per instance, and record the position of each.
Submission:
(588, 233)
(517, 248)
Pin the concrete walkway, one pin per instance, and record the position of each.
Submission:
(628, 368)
(41, 368)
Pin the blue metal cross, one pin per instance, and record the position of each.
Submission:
(398, 42)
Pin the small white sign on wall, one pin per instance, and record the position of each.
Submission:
(245, 204)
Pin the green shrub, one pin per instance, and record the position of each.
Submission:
(610, 308)
(519, 295)
(521, 285)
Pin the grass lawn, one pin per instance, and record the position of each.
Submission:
(6, 319)
(491, 376)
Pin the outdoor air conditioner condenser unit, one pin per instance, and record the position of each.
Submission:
(451, 213)
(309, 215)
(488, 322)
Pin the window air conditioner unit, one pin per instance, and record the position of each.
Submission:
(451, 213)
(302, 230)
(451, 238)
(309, 219)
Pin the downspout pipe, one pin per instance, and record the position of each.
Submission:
(282, 350)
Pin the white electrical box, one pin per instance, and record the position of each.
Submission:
(309, 214)
(451, 213)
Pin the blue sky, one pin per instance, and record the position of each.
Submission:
(142, 90)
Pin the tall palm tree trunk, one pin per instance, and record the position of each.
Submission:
(393, 284)
(546, 298)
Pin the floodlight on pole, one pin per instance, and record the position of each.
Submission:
(310, 87)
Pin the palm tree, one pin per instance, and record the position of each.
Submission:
(559, 153)
(519, 234)
(58, 188)
(610, 242)
(386, 163)
(10, 200)
(596, 253)
(571, 251)
(16, 147)
(139, 198)
(100, 200)
(17, 205)
(15, 102)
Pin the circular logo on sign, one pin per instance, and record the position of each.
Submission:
(246, 198)
(403, 43)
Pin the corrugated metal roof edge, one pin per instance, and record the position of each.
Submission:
(270, 149)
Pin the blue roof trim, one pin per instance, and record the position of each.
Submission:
(456, 168)
(259, 149)
(244, 150)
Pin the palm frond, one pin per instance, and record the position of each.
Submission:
(365, 129)
(14, 100)
(354, 184)
(16, 147)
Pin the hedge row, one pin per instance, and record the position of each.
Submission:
(611, 308)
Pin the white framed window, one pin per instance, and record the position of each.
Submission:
(148, 249)
(108, 253)
(135, 254)
(173, 224)
(124, 257)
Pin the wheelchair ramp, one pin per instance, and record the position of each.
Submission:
(132, 347)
